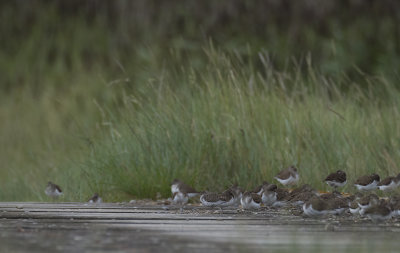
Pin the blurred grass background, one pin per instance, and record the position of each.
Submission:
(120, 97)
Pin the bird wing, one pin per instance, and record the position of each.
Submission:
(284, 174)
(58, 188)
(330, 177)
(385, 181)
(184, 188)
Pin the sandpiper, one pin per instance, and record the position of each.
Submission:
(302, 197)
(389, 183)
(210, 199)
(379, 212)
(250, 200)
(337, 205)
(288, 176)
(269, 194)
(180, 198)
(395, 204)
(367, 182)
(315, 207)
(53, 190)
(237, 193)
(281, 195)
(354, 208)
(301, 189)
(213, 199)
(179, 186)
(259, 189)
(301, 194)
(336, 179)
(229, 197)
(367, 201)
(353, 203)
(95, 199)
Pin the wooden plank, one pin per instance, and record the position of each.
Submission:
(122, 226)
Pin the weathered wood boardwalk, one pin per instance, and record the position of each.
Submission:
(79, 227)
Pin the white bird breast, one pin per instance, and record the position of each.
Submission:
(290, 180)
(336, 184)
(174, 188)
(368, 187)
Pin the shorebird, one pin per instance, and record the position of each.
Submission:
(237, 193)
(301, 198)
(367, 182)
(180, 198)
(337, 205)
(95, 199)
(53, 190)
(353, 203)
(379, 212)
(281, 195)
(178, 186)
(389, 183)
(250, 200)
(288, 176)
(213, 199)
(301, 189)
(269, 194)
(316, 207)
(395, 204)
(367, 201)
(354, 208)
(336, 179)
(301, 194)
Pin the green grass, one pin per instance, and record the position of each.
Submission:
(226, 123)
(127, 130)
(229, 124)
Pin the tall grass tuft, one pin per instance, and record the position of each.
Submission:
(230, 124)
(225, 123)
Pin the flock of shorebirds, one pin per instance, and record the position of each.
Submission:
(312, 202)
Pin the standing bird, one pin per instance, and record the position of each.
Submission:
(336, 179)
(53, 190)
(288, 176)
(251, 200)
(180, 198)
(95, 199)
(178, 186)
(367, 182)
